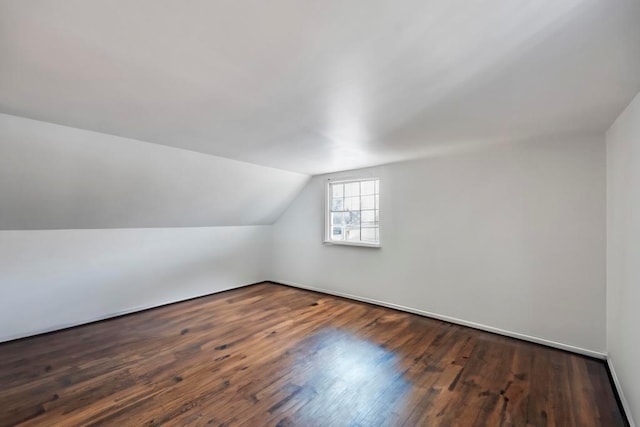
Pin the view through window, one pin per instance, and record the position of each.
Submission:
(353, 212)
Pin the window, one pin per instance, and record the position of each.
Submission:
(353, 212)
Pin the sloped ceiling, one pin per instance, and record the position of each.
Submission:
(319, 86)
(57, 177)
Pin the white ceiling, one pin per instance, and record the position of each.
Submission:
(57, 177)
(324, 85)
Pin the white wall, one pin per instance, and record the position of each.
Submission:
(511, 237)
(623, 252)
(69, 200)
(55, 278)
(508, 236)
(55, 176)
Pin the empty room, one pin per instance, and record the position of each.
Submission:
(320, 213)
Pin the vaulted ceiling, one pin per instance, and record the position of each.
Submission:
(319, 86)
(58, 177)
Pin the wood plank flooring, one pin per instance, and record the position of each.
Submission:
(278, 356)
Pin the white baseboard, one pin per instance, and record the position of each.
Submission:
(112, 315)
(449, 319)
(616, 383)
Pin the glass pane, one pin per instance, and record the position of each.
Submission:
(352, 189)
(337, 190)
(337, 233)
(353, 234)
(367, 187)
(354, 211)
(338, 218)
(369, 234)
(368, 202)
(368, 216)
(352, 218)
(352, 203)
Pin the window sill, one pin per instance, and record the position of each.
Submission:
(343, 243)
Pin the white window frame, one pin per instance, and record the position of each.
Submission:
(327, 214)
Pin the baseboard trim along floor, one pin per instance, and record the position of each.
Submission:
(274, 354)
(590, 353)
(626, 409)
(578, 350)
(111, 315)
(486, 328)
(537, 340)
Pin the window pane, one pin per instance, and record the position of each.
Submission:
(377, 186)
(353, 234)
(352, 189)
(368, 202)
(377, 215)
(368, 216)
(377, 201)
(368, 187)
(369, 234)
(337, 218)
(337, 233)
(352, 218)
(352, 203)
(337, 190)
(353, 211)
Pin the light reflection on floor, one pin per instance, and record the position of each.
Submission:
(359, 380)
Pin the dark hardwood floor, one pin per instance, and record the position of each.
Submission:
(274, 355)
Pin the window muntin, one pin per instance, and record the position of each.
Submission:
(353, 214)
